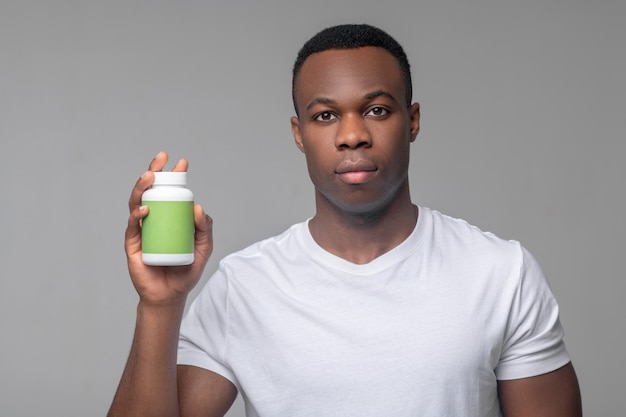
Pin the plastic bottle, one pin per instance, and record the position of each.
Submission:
(167, 233)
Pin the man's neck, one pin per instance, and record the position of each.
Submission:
(361, 238)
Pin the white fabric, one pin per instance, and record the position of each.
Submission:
(423, 330)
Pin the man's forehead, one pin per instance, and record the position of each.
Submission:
(332, 69)
(333, 57)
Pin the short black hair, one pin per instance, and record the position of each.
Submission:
(352, 36)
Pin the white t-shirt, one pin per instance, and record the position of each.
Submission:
(426, 329)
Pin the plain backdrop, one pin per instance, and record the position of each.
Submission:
(523, 121)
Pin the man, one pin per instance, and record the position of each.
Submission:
(373, 307)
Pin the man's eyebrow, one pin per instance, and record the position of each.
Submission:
(368, 96)
(379, 93)
(320, 100)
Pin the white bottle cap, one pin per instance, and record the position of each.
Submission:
(170, 178)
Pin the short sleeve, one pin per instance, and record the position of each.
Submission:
(533, 343)
(204, 330)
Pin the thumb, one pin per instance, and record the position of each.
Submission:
(204, 233)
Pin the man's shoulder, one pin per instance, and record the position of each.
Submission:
(452, 231)
(273, 245)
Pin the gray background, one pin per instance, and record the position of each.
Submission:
(523, 121)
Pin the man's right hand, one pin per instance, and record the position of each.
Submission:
(159, 285)
(152, 384)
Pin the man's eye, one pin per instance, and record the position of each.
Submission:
(325, 116)
(377, 111)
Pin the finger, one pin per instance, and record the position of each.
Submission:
(158, 162)
(181, 165)
(143, 183)
(132, 237)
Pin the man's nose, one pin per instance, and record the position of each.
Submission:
(352, 133)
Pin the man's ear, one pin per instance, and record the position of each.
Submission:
(295, 130)
(414, 115)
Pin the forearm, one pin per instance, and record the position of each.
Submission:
(148, 385)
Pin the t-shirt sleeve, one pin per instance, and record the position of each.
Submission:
(533, 343)
(204, 330)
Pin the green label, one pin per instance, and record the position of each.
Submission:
(168, 228)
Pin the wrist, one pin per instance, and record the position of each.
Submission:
(173, 308)
(159, 298)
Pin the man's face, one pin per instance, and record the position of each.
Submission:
(354, 127)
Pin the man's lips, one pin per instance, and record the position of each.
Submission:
(356, 172)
